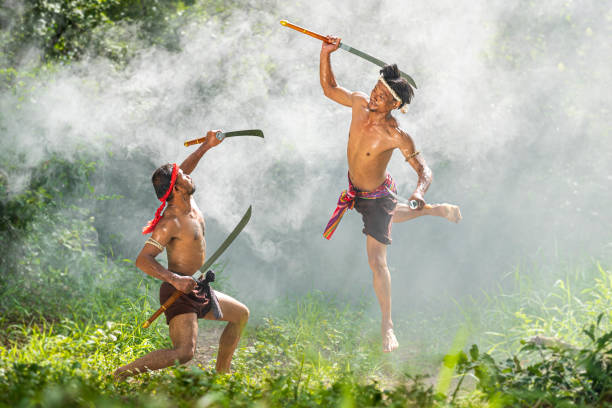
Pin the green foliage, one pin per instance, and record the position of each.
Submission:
(52, 183)
(54, 266)
(542, 304)
(69, 362)
(559, 376)
(61, 177)
(65, 30)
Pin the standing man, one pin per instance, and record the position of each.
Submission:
(181, 231)
(373, 136)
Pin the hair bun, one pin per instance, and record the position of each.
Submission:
(390, 72)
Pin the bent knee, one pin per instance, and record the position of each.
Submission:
(244, 316)
(185, 354)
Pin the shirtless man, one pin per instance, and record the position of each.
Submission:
(374, 135)
(181, 231)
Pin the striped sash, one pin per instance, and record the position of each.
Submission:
(347, 202)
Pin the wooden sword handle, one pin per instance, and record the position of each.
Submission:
(177, 294)
(218, 135)
(195, 141)
(304, 31)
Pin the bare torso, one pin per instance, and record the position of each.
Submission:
(187, 249)
(373, 136)
(370, 147)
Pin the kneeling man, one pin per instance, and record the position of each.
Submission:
(181, 231)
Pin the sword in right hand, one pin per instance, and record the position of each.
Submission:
(223, 135)
(346, 47)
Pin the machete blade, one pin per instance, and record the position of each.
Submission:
(248, 132)
(230, 238)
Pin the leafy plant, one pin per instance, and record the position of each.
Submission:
(554, 374)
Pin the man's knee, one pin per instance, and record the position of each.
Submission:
(378, 264)
(238, 315)
(185, 354)
(243, 317)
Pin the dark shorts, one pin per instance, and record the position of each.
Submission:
(191, 303)
(377, 214)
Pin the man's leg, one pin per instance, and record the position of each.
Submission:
(450, 212)
(183, 332)
(377, 258)
(237, 315)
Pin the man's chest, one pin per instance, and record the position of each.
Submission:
(193, 228)
(367, 142)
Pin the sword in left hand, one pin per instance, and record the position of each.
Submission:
(223, 135)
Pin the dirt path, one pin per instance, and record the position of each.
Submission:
(208, 341)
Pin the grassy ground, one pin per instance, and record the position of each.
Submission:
(72, 312)
(310, 352)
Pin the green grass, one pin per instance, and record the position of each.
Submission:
(548, 306)
(310, 352)
(72, 313)
(314, 354)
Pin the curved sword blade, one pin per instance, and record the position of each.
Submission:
(375, 61)
(223, 135)
(230, 238)
(248, 132)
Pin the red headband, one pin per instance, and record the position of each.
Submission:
(151, 224)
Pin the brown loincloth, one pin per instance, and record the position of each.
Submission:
(194, 302)
(377, 214)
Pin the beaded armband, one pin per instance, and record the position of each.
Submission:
(155, 244)
(413, 155)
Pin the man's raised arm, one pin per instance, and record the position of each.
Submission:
(328, 81)
(190, 163)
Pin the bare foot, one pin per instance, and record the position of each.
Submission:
(119, 375)
(122, 374)
(450, 212)
(389, 341)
